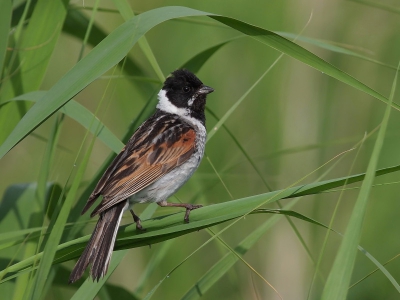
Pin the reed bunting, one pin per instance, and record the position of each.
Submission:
(158, 159)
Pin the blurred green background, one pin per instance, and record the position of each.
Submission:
(294, 120)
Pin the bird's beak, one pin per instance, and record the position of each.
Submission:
(205, 90)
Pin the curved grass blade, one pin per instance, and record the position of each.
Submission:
(281, 44)
(58, 228)
(14, 214)
(26, 69)
(322, 251)
(127, 13)
(378, 5)
(88, 29)
(328, 45)
(168, 227)
(5, 24)
(109, 52)
(381, 268)
(221, 121)
(113, 48)
(47, 207)
(339, 277)
(334, 48)
(374, 271)
(225, 263)
(194, 64)
(76, 23)
(82, 115)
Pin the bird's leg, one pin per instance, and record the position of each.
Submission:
(188, 207)
(137, 221)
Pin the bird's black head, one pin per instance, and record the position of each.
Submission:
(184, 90)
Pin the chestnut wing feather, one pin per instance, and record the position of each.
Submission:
(136, 141)
(139, 166)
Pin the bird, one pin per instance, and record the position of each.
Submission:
(162, 154)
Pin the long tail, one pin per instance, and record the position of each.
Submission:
(101, 244)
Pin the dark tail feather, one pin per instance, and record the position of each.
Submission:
(101, 244)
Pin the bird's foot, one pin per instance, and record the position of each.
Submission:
(189, 208)
(136, 219)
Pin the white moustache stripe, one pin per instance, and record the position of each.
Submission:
(165, 105)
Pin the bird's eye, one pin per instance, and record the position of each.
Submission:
(186, 89)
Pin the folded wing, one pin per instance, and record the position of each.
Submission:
(147, 157)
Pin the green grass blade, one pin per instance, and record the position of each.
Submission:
(374, 271)
(113, 48)
(382, 6)
(221, 267)
(15, 215)
(338, 281)
(317, 267)
(12, 236)
(327, 45)
(168, 227)
(221, 121)
(281, 44)
(76, 23)
(58, 228)
(88, 29)
(127, 13)
(381, 268)
(40, 38)
(224, 264)
(5, 23)
(194, 64)
(83, 116)
(26, 69)
(110, 51)
(47, 207)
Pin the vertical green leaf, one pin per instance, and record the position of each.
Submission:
(338, 281)
(5, 22)
(31, 58)
(57, 230)
(127, 13)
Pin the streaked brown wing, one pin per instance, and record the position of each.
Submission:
(144, 165)
(134, 142)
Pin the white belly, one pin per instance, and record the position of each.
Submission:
(167, 185)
